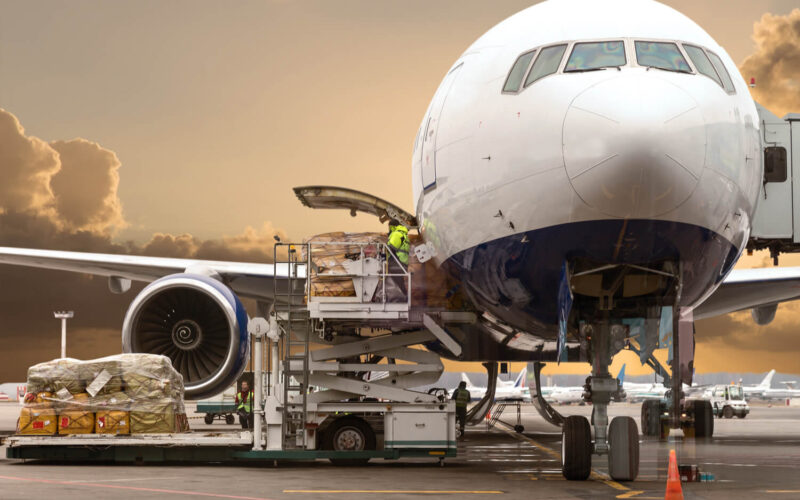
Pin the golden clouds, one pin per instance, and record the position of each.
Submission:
(776, 62)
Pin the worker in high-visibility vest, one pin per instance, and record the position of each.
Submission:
(398, 262)
(461, 396)
(244, 406)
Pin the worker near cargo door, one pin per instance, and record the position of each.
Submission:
(461, 396)
(244, 406)
(398, 262)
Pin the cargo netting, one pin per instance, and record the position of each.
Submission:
(121, 394)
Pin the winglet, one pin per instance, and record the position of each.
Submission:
(621, 375)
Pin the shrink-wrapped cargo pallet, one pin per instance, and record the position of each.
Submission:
(127, 393)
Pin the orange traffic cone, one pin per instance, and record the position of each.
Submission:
(674, 491)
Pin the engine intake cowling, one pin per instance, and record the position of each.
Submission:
(199, 323)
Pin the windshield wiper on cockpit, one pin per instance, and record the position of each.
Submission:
(585, 70)
(672, 70)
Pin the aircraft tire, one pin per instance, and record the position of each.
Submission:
(576, 448)
(623, 452)
(703, 418)
(651, 418)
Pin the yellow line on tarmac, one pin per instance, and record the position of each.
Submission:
(633, 493)
(424, 492)
(597, 476)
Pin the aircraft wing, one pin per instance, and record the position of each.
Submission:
(246, 279)
(748, 288)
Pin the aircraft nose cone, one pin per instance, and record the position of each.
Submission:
(634, 146)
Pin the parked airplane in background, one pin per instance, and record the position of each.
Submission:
(505, 390)
(567, 395)
(582, 167)
(764, 390)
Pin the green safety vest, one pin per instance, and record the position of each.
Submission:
(462, 398)
(398, 240)
(244, 403)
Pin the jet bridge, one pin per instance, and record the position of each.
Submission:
(776, 222)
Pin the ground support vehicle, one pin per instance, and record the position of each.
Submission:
(728, 401)
(323, 403)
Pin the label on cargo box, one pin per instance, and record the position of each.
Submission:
(64, 422)
(38, 425)
(64, 394)
(102, 378)
(101, 422)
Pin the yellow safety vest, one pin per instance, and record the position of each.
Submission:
(244, 402)
(398, 240)
(462, 398)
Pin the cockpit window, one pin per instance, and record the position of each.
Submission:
(547, 63)
(701, 62)
(661, 55)
(518, 72)
(596, 55)
(727, 83)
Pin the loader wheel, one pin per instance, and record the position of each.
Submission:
(349, 434)
(651, 418)
(576, 448)
(230, 419)
(208, 419)
(727, 412)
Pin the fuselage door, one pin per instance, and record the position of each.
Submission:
(428, 149)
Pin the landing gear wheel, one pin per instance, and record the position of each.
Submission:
(651, 418)
(230, 419)
(623, 452)
(704, 418)
(727, 412)
(576, 448)
(208, 419)
(349, 434)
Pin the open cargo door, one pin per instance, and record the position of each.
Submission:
(354, 201)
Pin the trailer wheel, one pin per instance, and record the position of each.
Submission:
(623, 453)
(741, 414)
(349, 434)
(727, 412)
(651, 418)
(703, 418)
(209, 418)
(230, 419)
(576, 448)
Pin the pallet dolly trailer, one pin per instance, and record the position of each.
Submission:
(336, 401)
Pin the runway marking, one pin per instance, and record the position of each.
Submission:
(119, 480)
(597, 476)
(783, 491)
(132, 488)
(422, 492)
(633, 493)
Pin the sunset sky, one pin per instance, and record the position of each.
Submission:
(178, 128)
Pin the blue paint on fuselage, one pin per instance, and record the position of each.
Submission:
(516, 278)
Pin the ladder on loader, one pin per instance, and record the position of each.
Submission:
(293, 319)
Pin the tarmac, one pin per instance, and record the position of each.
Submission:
(757, 457)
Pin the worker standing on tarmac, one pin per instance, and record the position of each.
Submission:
(400, 246)
(244, 406)
(461, 396)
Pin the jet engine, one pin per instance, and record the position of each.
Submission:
(199, 323)
(764, 315)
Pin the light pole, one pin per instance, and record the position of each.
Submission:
(63, 316)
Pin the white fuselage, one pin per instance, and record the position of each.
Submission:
(561, 164)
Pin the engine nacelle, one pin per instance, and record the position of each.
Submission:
(764, 315)
(199, 323)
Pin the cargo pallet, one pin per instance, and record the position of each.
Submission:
(293, 419)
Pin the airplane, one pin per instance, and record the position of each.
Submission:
(765, 391)
(567, 395)
(506, 390)
(582, 164)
